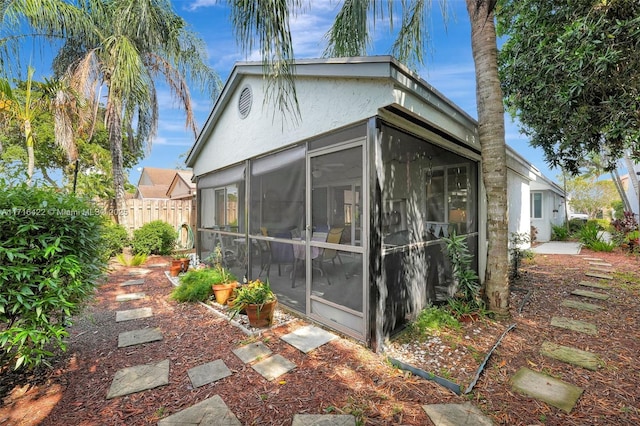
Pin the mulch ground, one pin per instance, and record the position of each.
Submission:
(341, 376)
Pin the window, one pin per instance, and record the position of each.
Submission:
(536, 205)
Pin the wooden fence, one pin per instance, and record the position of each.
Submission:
(176, 213)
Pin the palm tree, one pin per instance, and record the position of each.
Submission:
(131, 43)
(268, 23)
(23, 110)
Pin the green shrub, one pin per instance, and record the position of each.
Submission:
(115, 238)
(433, 318)
(195, 285)
(155, 237)
(601, 246)
(51, 252)
(559, 233)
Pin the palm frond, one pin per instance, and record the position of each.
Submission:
(349, 35)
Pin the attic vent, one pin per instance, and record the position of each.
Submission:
(244, 103)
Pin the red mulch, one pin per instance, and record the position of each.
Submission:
(341, 376)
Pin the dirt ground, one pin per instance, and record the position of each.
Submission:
(342, 376)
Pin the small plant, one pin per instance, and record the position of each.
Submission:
(559, 233)
(466, 279)
(516, 240)
(253, 293)
(135, 260)
(156, 237)
(195, 285)
(434, 318)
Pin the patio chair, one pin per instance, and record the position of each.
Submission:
(334, 236)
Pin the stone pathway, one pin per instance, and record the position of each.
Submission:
(558, 393)
(212, 411)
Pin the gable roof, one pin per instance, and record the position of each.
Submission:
(182, 178)
(154, 182)
(396, 85)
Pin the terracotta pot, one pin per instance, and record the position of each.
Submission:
(223, 291)
(176, 262)
(184, 263)
(175, 270)
(469, 318)
(261, 315)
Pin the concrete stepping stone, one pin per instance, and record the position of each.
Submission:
(252, 352)
(139, 378)
(138, 272)
(600, 264)
(208, 373)
(308, 338)
(159, 265)
(273, 367)
(594, 259)
(212, 411)
(130, 296)
(589, 307)
(323, 420)
(590, 294)
(456, 414)
(132, 314)
(138, 337)
(571, 355)
(594, 285)
(598, 275)
(574, 325)
(603, 270)
(132, 282)
(554, 392)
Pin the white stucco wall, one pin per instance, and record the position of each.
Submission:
(519, 204)
(325, 104)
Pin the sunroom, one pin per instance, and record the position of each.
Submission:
(343, 212)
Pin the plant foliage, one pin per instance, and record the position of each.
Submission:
(468, 287)
(115, 238)
(156, 237)
(569, 71)
(51, 252)
(195, 285)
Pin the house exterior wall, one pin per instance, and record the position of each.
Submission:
(518, 195)
(237, 139)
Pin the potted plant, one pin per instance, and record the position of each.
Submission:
(226, 283)
(182, 260)
(259, 302)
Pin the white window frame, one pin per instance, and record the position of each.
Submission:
(533, 205)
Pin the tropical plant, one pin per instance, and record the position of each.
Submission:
(135, 260)
(559, 233)
(467, 288)
(123, 45)
(268, 23)
(255, 292)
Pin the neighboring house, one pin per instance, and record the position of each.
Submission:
(181, 187)
(154, 183)
(535, 202)
(345, 211)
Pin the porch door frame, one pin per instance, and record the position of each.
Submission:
(361, 250)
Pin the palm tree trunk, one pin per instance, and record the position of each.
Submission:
(494, 155)
(114, 126)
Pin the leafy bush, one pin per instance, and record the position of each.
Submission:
(559, 233)
(115, 238)
(589, 234)
(155, 237)
(195, 285)
(51, 252)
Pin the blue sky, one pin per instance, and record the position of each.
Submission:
(448, 67)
